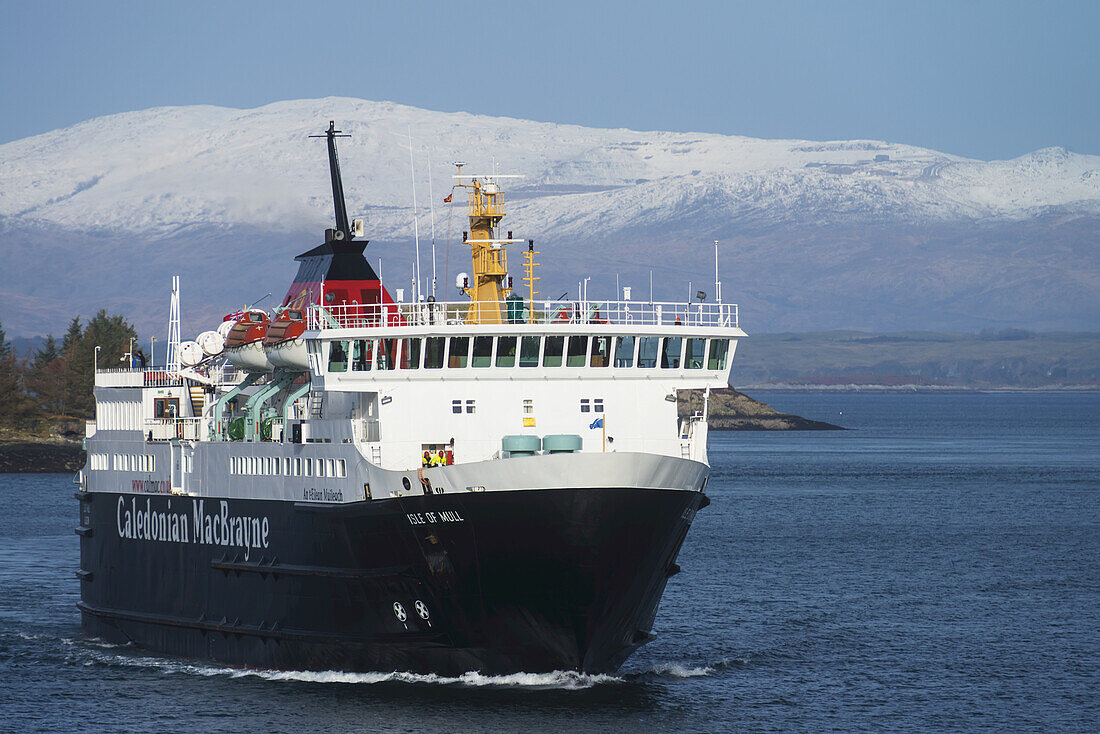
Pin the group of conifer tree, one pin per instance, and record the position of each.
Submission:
(55, 382)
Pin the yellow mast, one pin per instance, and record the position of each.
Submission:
(487, 288)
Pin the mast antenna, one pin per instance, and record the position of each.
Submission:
(172, 359)
(342, 226)
(416, 224)
(431, 200)
(717, 283)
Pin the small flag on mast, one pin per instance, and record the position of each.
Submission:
(448, 199)
(598, 423)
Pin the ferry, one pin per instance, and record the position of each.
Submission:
(363, 482)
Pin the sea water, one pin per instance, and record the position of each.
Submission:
(936, 567)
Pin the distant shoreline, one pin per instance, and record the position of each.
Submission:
(910, 389)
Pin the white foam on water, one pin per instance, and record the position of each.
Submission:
(677, 670)
(561, 679)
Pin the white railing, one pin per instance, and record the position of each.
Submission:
(137, 377)
(549, 313)
(164, 429)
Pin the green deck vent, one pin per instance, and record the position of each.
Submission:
(521, 445)
(561, 444)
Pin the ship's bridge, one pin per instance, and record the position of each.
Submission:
(424, 378)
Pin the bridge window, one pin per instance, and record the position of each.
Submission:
(433, 352)
(601, 352)
(470, 406)
(362, 351)
(693, 353)
(459, 352)
(670, 357)
(456, 406)
(529, 351)
(578, 350)
(551, 357)
(410, 354)
(387, 354)
(624, 351)
(308, 467)
(338, 356)
(528, 407)
(647, 351)
(483, 352)
(506, 351)
(597, 405)
(719, 348)
(586, 407)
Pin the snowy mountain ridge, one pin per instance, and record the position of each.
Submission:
(856, 234)
(154, 171)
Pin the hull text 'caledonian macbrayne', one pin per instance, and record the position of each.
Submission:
(360, 483)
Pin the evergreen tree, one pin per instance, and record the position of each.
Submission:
(48, 353)
(14, 408)
(46, 378)
(72, 335)
(112, 334)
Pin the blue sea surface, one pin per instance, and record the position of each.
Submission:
(937, 567)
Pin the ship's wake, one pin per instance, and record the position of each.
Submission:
(98, 653)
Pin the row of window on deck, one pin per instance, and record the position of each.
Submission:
(670, 352)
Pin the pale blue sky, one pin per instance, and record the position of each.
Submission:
(981, 79)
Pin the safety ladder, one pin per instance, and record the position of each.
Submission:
(317, 404)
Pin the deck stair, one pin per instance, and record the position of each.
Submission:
(198, 398)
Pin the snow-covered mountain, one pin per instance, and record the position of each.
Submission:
(817, 234)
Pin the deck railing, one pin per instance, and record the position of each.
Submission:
(138, 377)
(548, 313)
(164, 429)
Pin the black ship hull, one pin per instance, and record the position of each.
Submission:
(499, 582)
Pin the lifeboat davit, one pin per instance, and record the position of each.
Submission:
(284, 343)
(244, 345)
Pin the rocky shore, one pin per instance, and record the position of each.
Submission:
(41, 456)
(731, 410)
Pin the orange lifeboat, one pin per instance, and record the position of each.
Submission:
(244, 345)
(284, 343)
